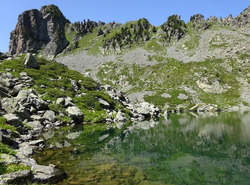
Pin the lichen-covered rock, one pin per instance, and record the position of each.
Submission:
(9, 159)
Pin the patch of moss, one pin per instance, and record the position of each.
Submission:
(5, 149)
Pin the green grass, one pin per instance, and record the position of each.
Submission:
(171, 75)
(12, 168)
(4, 125)
(157, 100)
(5, 149)
(154, 45)
(192, 42)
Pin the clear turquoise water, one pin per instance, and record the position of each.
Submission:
(182, 150)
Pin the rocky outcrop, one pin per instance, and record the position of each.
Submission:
(239, 21)
(3, 56)
(199, 22)
(39, 30)
(173, 30)
(136, 31)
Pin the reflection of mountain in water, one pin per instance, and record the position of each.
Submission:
(207, 144)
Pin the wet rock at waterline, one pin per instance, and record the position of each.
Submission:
(47, 174)
(75, 114)
(20, 177)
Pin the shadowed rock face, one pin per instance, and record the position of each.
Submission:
(39, 30)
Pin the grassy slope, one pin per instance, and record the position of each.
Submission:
(56, 77)
(171, 76)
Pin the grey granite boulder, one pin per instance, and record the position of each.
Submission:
(30, 62)
(30, 98)
(47, 174)
(50, 116)
(75, 113)
(21, 177)
(12, 119)
(11, 105)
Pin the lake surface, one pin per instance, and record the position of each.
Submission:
(185, 149)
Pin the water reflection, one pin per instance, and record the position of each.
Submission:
(215, 148)
(184, 149)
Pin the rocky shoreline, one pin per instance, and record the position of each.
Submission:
(23, 108)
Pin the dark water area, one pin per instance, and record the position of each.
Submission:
(185, 149)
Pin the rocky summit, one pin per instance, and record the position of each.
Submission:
(39, 30)
(115, 74)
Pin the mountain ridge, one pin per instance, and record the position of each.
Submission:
(130, 57)
(52, 18)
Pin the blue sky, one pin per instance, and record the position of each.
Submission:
(156, 11)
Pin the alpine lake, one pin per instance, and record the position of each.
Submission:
(183, 149)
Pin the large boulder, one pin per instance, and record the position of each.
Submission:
(12, 119)
(21, 177)
(11, 105)
(30, 61)
(30, 98)
(75, 113)
(50, 116)
(147, 110)
(47, 174)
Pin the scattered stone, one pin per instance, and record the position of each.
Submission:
(100, 32)
(11, 105)
(74, 135)
(104, 104)
(182, 96)
(102, 138)
(74, 85)
(120, 117)
(60, 101)
(36, 142)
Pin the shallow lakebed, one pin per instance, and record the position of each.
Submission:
(185, 149)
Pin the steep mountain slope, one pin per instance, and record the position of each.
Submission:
(202, 64)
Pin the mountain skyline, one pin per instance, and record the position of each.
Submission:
(108, 11)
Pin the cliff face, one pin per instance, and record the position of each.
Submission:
(39, 30)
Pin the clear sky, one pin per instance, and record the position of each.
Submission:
(156, 11)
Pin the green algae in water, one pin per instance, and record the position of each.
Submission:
(182, 150)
